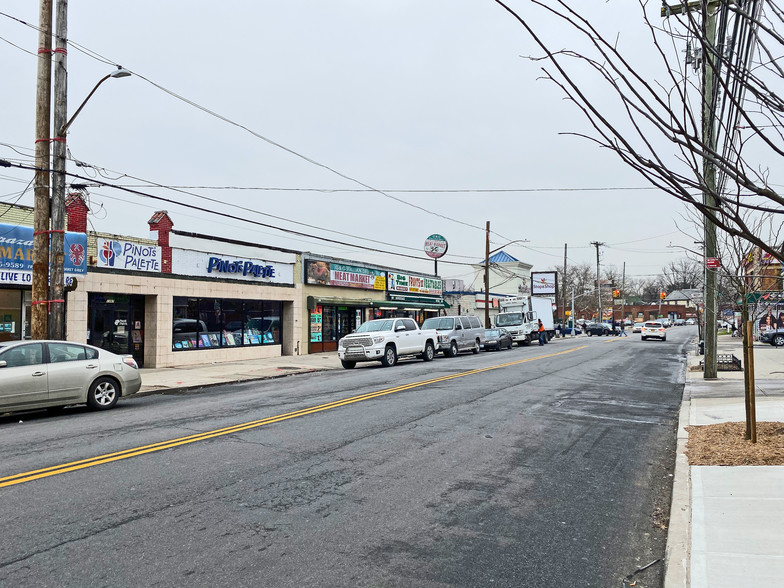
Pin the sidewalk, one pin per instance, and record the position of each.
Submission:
(727, 523)
(210, 374)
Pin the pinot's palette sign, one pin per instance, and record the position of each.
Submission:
(128, 256)
(16, 254)
(199, 263)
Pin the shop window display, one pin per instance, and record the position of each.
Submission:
(205, 323)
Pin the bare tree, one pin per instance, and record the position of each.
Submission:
(654, 124)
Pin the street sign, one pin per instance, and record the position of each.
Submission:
(712, 262)
(435, 246)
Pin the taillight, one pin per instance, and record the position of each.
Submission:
(130, 361)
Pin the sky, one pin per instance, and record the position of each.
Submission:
(369, 123)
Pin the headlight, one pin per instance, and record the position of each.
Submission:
(443, 338)
(341, 343)
(378, 339)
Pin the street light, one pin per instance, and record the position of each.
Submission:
(57, 278)
(487, 269)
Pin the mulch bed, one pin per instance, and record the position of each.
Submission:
(725, 444)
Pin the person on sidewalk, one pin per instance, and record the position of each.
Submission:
(542, 333)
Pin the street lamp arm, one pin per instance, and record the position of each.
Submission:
(118, 73)
(510, 242)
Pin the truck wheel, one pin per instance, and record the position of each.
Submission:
(453, 349)
(475, 350)
(430, 352)
(390, 356)
(349, 365)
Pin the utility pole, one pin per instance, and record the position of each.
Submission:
(57, 278)
(563, 288)
(597, 244)
(40, 294)
(709, 74)
(623, 294)
(487, 275)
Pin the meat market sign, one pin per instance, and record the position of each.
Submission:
(435, 246)
(346, 276)
(414, 284)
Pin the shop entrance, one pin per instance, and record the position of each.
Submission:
(330, 323)
(116, 323)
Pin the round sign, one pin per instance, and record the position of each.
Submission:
(435, 246)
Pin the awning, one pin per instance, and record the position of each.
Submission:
(409, 305)
(314, 301)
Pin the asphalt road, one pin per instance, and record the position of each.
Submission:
(538, 466)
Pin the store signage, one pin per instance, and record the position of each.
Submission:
(435, 246)
(198, 263)
(16, 254)
(544, 283)
(130, 256)
(345, 276)
(414, 284)
(713, 262)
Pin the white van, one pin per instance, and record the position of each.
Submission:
(457, 333)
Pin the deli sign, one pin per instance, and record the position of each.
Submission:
(414, 284)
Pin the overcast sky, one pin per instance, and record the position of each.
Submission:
(431, 101)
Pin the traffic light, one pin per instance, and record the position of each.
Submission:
(616, 293)
(662, 295)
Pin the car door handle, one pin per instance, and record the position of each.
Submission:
(36, 374)
(91, 366)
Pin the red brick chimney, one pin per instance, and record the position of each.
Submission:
(161, 225)
(76, 209)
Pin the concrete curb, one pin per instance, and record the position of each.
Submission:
(193, 387)
(678, 552)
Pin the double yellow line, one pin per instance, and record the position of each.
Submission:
(128, 453)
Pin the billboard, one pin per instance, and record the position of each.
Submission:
(346, 276)
(414, 284)
(544, 283)
(16, 254)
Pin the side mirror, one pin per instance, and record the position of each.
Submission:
(400, 327)
(3, 363)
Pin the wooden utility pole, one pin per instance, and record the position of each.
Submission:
(40, 294)
(487, 275)
(563, 289)
(709, 73)
(57, 278)
(623, 294)
(598, 282)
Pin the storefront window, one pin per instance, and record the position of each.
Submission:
(204, 323)
(10, 315)
(329, 323)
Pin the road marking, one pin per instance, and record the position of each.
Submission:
(137, 451)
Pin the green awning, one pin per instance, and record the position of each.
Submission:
(411, 305)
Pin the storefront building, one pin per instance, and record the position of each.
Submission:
(16, 271)
(340, 295)
(186, 299)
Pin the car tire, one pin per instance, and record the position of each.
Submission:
(453, 350)
(643, 338)
(103, 394)
(664, 338)
(430, 352)
(590, 333)
(778, 341)
(390, 356)
(349, 365)
(475, 349)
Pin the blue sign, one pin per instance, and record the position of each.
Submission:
(16, 250)
(245, 268)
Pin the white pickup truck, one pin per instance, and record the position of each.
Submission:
(386, 340)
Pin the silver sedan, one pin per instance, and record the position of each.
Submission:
(41, 374)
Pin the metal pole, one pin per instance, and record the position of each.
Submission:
(57, 277)
(563, 287)
(487, 275)
(40, 293)
(574, 321)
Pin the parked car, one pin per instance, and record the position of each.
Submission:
(653, 330)
(568, 331)
(773, 336)
(637, 328)
(386, 340)
(691, 321)
(597, 329)
(41, 374)
(497, 339)
(457, 333)
(679, 322)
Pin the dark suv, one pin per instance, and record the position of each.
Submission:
(773, 336)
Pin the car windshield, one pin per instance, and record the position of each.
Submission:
(439, 323)
(509, 318)
(492, 333)
(373, 326)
